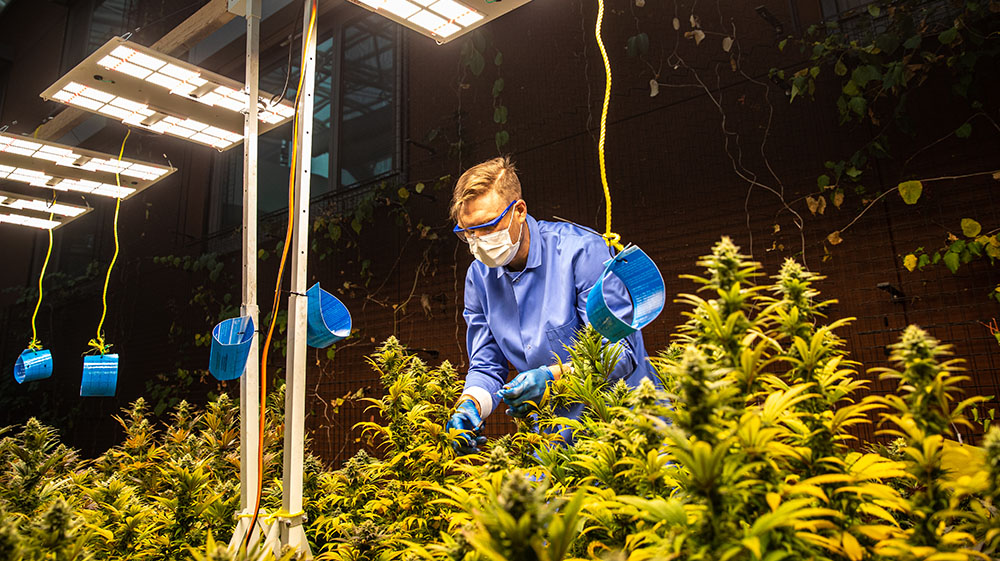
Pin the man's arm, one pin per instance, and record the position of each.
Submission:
(487, 363)
(588, 268)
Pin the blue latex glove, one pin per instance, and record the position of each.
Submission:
(467, 418)
(527, 388)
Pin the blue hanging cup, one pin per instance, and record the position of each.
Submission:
(33, 365)
(328, 321)
(100, 376)
(645, 287)
(231, 341)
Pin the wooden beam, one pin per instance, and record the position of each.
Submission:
(177, 41)
(191, 31)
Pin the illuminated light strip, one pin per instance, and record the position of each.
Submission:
(66, 157)
(63, 168)
(30, 221)
(134, 113)
(39, 205)
(439, 17)
(143, 88)
(94, 188)
(434, 23)
(441, 20)
(179, 81)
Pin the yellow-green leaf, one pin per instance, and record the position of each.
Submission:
(851, 547)
(753, 544)
(910, 191)
(773, 501)
(971, 228)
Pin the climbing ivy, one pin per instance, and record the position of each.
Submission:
(880, 55)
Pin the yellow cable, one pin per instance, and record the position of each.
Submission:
(98, 343)
(611, 238)
(310, 36)
(35, 344)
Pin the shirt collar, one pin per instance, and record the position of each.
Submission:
(534, 249)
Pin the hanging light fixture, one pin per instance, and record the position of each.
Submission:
(33, 212)
(141, 87)
(50, 165)
(441, 20)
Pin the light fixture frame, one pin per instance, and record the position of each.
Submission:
(489, 10)
(38, 214)
(73, 171)
(160, 100)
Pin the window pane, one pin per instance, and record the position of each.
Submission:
(108, 20)
(368, 99)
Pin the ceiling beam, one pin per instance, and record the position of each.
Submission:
(177, 41)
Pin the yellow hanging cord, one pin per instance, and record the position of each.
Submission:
(98, 343)
(610, 238)
(35, 344)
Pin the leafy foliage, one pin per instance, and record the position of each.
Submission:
(743, 448)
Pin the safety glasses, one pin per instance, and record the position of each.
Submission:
(464, 233)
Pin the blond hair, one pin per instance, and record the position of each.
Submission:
(497, 174)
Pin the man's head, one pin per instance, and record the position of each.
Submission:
(487, 200)
(497, 175)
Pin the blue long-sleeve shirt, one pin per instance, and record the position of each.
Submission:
(526, 317)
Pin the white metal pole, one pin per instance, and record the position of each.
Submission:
(292, 532)
(250, 382)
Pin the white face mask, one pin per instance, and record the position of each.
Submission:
(496, 249)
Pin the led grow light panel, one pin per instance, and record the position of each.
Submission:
(143, 88)
(33, 212)
(50, 165)
(441, 20)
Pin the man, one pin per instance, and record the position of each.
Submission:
(525, 298)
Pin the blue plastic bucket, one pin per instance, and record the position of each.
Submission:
(328, 321)
(645, 287)
(100, 376)
(231, 341)
(33, 365)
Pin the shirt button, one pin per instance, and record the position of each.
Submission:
(529, 347)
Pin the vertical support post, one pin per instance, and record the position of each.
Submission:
(250, 381)
(292, 532)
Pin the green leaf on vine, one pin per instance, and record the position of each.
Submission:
(498, 60)
(964, 131)
(910, 191)
(864, 74)
(356, 225)
(500, 114)
(971, 228)
(497, 87)
(502, 138)
(419, 187)
(951, 260)
(840, 69)
(403, 193)
(637, 45)
(913, 42)
(948, 36)
(874, 10)
(858, 104)
(823, 181)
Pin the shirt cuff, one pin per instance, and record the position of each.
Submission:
(483, 397)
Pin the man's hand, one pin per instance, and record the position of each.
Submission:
(467, 418)
(526, 389)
